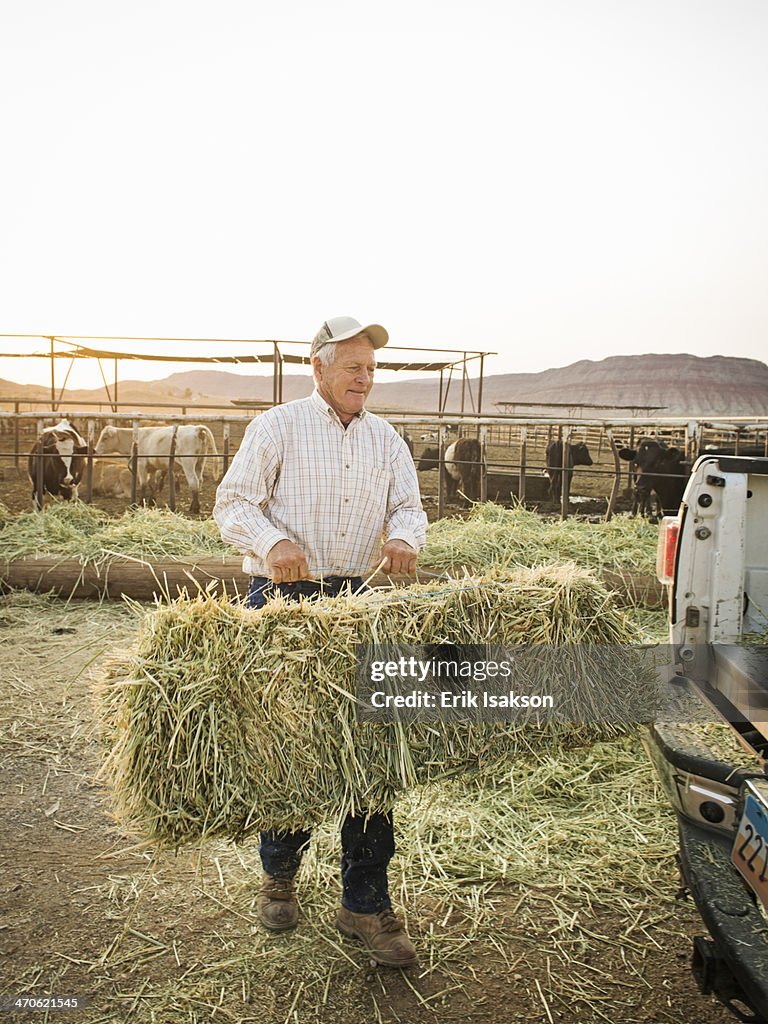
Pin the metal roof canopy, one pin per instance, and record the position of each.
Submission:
(274, 357)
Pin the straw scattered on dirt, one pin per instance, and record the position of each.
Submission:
(547, 892)
(653, 623)
(490, 536)
(76, 530)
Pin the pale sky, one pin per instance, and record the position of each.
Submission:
(551, 179)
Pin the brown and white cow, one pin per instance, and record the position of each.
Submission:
(194, 442)
(62, 452)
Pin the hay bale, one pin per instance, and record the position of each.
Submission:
(223, 721)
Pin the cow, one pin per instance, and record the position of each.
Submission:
(112, 481)
(194, 442)
(462, 468)
(407, 438)
(62, 452)
(577, 455)
(659, 469)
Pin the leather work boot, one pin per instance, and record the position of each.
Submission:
(382, 934)
(277, 905)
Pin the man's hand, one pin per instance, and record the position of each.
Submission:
(399, 558)
(287, 562)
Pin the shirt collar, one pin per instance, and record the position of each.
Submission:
(326, 410)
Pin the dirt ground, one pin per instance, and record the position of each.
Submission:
(173, 939)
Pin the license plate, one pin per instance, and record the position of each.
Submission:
(750, 848)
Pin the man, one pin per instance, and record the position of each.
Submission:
(314, 488)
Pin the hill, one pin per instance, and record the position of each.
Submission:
(682, 385)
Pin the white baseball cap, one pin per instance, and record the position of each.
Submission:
(341, 328)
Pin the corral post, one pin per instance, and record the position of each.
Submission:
(39, 468)
(483, 464)
(630, 471)
(565, 483)
(225, 446)
(16, 435)
(440, 482)
(523, 454)
(89, 465)
(691, 440)
(616, 478)
(171, 470)
(54, 407)
(134, 462)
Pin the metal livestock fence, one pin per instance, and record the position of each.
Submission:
(513, 449)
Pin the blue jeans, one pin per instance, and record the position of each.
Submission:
(367, 842)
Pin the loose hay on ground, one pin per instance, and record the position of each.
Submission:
(503, 537)
(531, 865)
(591, 911)
(490, 536)
(76, 530)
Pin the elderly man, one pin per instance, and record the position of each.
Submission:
(320, 492)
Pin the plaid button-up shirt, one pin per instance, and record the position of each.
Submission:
(300, 475)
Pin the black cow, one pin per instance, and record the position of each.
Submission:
(407, 438)
(62, 452)
(578, 455)
(430, 459)
(658, 470)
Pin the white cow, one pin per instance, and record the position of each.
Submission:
(194, 442)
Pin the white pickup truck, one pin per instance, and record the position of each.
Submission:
(714, 557)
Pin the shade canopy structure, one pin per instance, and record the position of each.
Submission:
(448, 362)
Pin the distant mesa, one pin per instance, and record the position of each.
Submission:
(684, 385)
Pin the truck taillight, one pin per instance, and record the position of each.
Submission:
(665, 553)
